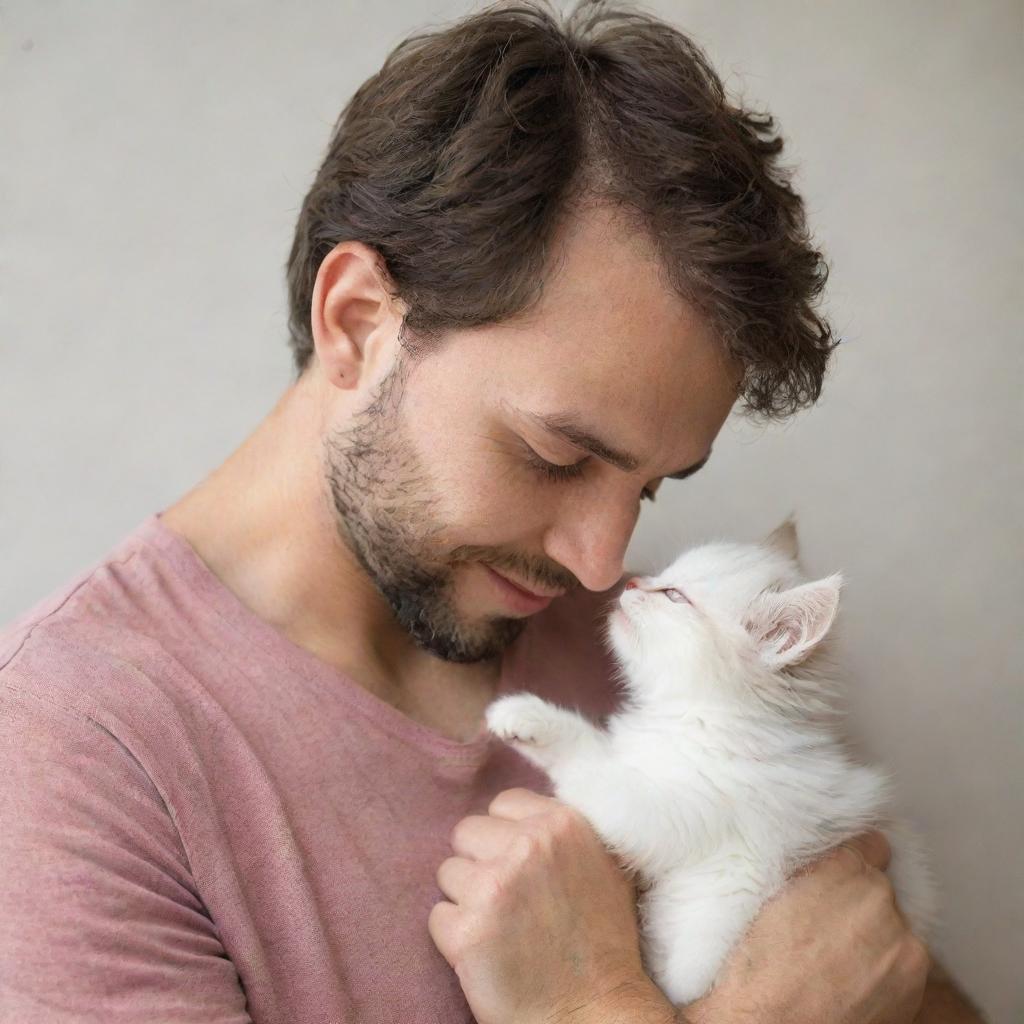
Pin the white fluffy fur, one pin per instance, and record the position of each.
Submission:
(723, 772)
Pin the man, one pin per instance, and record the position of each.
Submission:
(246, 773)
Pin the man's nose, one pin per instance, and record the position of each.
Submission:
(592, 538)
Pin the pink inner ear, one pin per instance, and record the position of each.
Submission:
(765, 624)
(787, 626)
(784, 636)
(778, 637)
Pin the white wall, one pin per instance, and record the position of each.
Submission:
(155, 156)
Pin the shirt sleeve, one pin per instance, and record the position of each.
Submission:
(99, 917)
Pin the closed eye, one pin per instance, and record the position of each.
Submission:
(674, 594)
(572, 471)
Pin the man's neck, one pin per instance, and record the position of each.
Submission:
(261, 525)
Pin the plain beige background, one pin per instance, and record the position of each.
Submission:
(155, 156)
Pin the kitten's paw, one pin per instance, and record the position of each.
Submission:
(522, 718)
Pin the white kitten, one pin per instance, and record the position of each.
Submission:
(723, 772)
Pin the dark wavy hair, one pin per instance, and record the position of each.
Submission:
(460, 157)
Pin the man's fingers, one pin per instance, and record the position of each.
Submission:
(487, 836)
(482, 837)
(867, 850)
(519, 802)
(457, 878)
(856, 850)
(443, 923)
(871, 847)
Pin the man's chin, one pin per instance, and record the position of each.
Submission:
(469, 645)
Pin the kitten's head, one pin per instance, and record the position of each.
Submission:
(731, 624)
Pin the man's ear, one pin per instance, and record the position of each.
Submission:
(354, 318)
(788, 625)
(784, 539)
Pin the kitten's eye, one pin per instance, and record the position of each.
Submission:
(675, 595)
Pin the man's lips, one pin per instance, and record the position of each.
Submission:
(523, 601)
(526, 590)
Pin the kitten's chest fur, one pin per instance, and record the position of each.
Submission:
(774, 794)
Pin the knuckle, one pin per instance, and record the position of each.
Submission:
(442, 871)
(879, 893)
(491, 888)
(437, 915)
(880, 884)
(525, 846)
(458, 832)
(506, 796)
(433, 917)
(846, 857)
(834, 855)
(441, 927)
(460, 943)
(825, 867)
(880, 848)
(875, 906)
(916, 957)
(456, 934)
(564, 819)
(517, 791)
(870, 846)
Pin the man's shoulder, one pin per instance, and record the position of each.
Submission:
(99, 597)
(88, 653)
(65, 662)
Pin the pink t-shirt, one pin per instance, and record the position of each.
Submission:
(202, 822)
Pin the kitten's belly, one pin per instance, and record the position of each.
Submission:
(691, 918)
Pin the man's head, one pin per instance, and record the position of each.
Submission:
(517, 220)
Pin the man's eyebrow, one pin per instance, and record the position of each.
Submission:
(567, 427)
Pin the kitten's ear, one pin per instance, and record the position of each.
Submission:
(783, 538)
(788, 625)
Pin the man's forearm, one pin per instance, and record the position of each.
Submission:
(645, 1003)
(637, 1001)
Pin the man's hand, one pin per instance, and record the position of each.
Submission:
(831, 946)
(541, 925)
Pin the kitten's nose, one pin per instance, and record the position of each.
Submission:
(631, 583)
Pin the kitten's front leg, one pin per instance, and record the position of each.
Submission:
(542, 732)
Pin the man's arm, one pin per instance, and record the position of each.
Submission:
(943, 1004)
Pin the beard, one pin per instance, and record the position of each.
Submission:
(388, 514)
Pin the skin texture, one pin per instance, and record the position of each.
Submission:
(358, 518)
